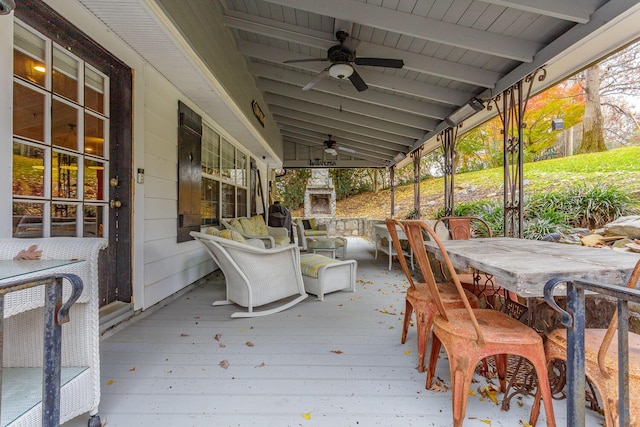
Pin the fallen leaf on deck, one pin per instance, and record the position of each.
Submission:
(184, 334)
(110, 382)
(472, 393)
(218, 337)
(249, 344)
(439, 387)
(484, 421)
(262, 365)
(489, 392)
(222, 345)
(337, 351)
(307, 416)
(407, 352)
(525, 424)
(132, 369)
(224, 364)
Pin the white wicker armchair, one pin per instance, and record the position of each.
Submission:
(256, 276)
(23, 337)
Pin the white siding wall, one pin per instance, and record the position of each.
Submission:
(161, 266)
(169, 266)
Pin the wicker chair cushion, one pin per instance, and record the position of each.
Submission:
(310, 264)
(232, 235)
(226, 234)
(254, 225)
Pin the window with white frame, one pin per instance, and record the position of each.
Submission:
(60, 141)
(224, 179)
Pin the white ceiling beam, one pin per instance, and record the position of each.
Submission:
(331, 124)
(421, 108)
(346, 104)
(345, 117)
(567, 10)
(372, 78)
(420, 27)
(412, 61)
(278, 30)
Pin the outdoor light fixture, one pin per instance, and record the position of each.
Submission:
(340, 71)
(557, 124)
(399, 157)
(331, 150)
(467, 110)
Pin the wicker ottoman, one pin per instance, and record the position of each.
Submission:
(322, 274)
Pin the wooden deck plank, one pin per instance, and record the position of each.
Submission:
(340, 361)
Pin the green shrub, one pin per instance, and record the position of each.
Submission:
(555, 212)
(586, 206)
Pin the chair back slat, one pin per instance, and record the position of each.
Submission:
(415, 231)
(613, 325)
(461, 227)
(392, 225)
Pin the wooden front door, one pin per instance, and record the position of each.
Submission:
(72, 115)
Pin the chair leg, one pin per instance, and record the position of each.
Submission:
(544, 392)
(433, 360)
(462, 374)
(407, 321)
(501, 368)
(424, 332)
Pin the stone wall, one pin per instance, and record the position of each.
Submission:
(348, 227)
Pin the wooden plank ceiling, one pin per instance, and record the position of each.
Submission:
(452, 52)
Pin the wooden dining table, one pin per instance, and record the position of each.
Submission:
(524, 266)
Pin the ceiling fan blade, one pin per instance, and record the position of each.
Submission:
(321, 75)
(347, 149)
(380, 62)
(293, 61)
(358, 82)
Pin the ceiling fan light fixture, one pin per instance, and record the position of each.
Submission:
(341, 71)
(330, 150)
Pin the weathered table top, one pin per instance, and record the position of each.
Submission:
(524, 266)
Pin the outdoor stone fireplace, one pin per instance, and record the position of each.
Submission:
(320, 195)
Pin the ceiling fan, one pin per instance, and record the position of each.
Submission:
(342, 57)
(330, 147)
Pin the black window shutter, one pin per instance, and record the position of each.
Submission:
(189, 171)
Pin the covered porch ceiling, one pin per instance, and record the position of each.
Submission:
(452, 52)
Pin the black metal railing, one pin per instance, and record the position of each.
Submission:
(55, 314)
(574, 319)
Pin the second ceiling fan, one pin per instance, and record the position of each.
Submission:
(342, 56)
(330, 147)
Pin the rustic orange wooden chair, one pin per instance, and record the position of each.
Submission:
(419, 299)
(469, 335)
(601, 363)
(464, 228)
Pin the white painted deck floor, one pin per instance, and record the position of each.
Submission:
(333, 363)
